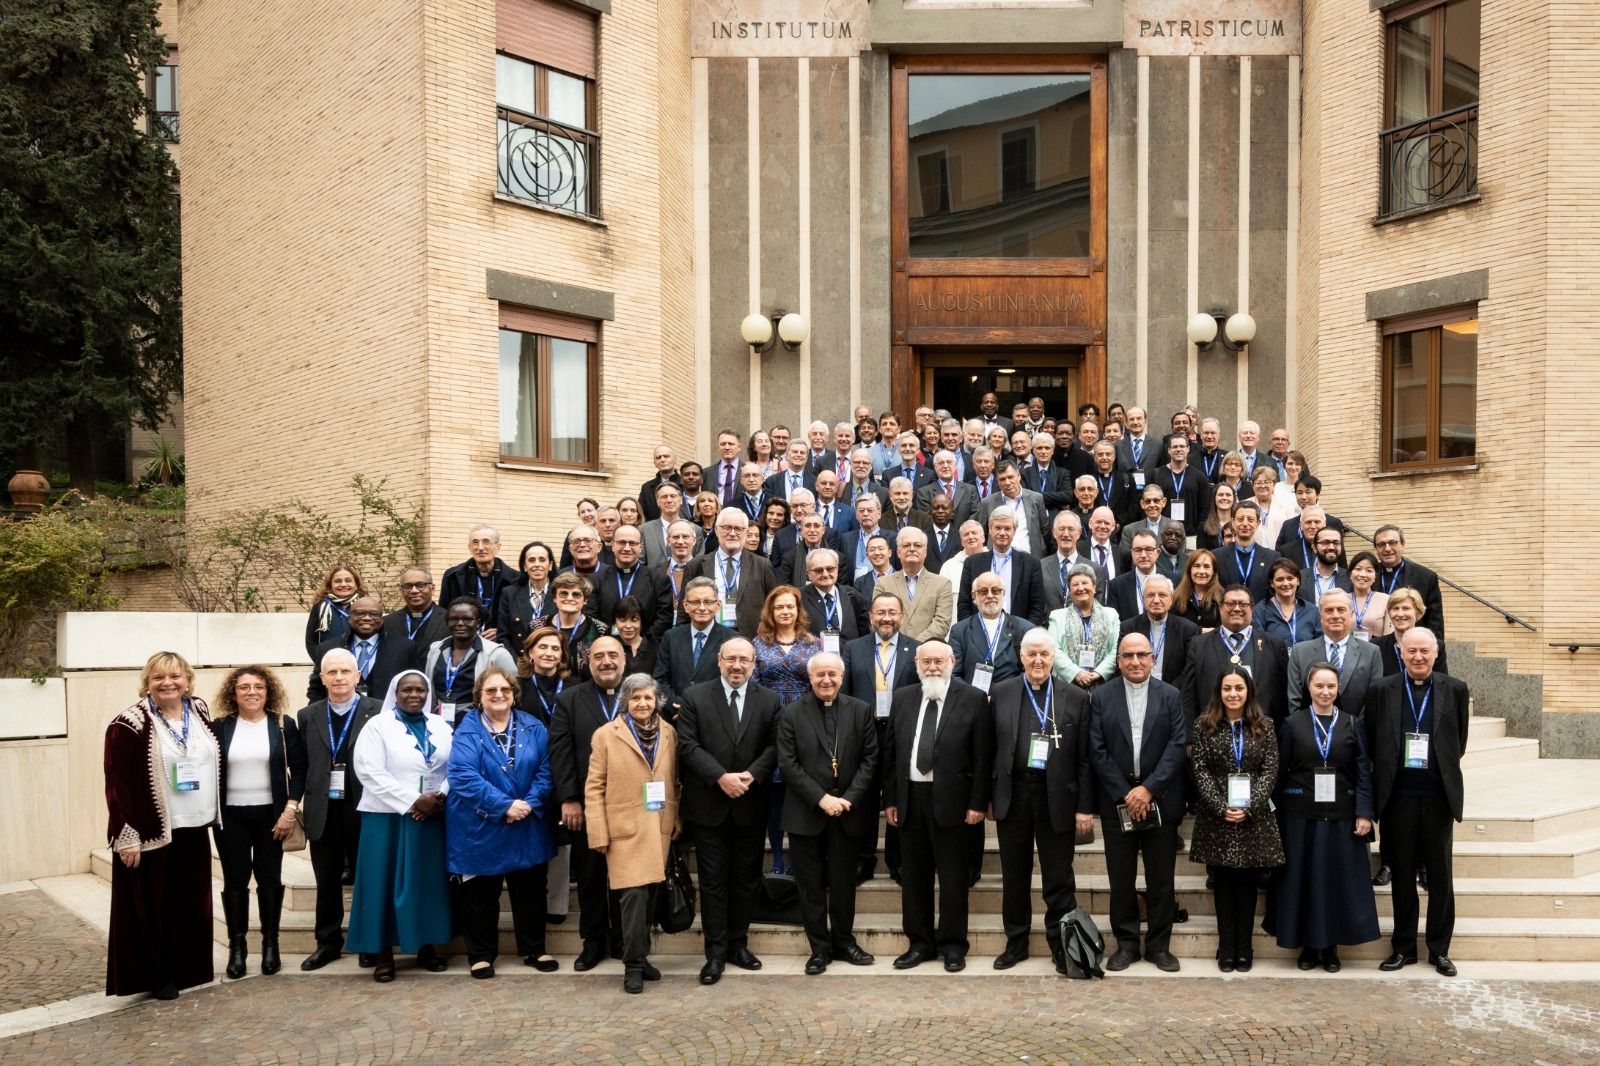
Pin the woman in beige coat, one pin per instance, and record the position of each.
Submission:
(631, 807)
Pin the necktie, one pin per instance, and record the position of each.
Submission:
(733, 705)
(1336, 656)
(942, 536)
(925, 740)
(794, 483)
(1101, 552)
(880, 680)
(729, 577)
(949, 489)
(905, 472)
(1138, 451)
(677, 582)
(727, 483)
(699, 646)
(364, 660)
(983, 489)
(1236, 642)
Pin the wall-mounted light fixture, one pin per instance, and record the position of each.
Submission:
(763, 332)
(1237, 330)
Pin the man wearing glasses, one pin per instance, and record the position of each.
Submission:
(379, 657)
(420, 621)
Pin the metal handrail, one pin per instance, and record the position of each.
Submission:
(1468, 593)
(548, 162)
(1571, 646)
(1429, 162)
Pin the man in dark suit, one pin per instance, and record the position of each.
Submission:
(944, 539)
(724, 472)
(839, 517)
(727, 752)
(419, 619)
(1126, 595)
(1043, 795)
(875, 665)
(1417, 732)
(1054, 568)
(795, 475)
(1359, 662)
(837, 458)
(810, 534)
(989, 410)
(801, 507)
(753, 496)
(580, 710)
(853, 545)
(908, 467)
(1395, 571)
(1169, 634)
(628, 576)
(947, 482)
(1102, 550)
(666, 474)
(940, 761)
(688, 653)
(482, 576)
(1186, 493)
(1236, 641)
(1137, 736)
(863, 481)
(835, 610)
(330, 727)
(1113, 488)
(987, 643)
(1246, 562)
(1019, 572)
(1298, 539)
(828, 751)
(1326, 572)
(741, 578)
(901, 512)
(1138, 451)
(379, 655)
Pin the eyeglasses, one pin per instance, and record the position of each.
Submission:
(497, 692)
(413, 586)
(1135, 655)
(366, 614)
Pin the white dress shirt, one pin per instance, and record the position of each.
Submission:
(1138, 700)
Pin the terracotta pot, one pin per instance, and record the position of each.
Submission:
(29, 490)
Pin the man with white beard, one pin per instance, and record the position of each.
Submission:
(939, 759)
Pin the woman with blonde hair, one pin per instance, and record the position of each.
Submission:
(163, 782)
(263, 777)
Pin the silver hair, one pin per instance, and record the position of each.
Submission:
(481, 528)
(733, 516)
(1038, 638)
(639, 683)
(822, 557)
(1083, 570)
(918, 535)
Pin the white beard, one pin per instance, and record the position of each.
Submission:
(935, 688)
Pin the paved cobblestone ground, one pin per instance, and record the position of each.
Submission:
(47, 953)
(449, 1018)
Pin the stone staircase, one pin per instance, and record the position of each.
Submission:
(1527, 858)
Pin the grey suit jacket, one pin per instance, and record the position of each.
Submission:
(655, 544)
(1362, 668)
(1040, 542)
(964, 502)
(1050, 568)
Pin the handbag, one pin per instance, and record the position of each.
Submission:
(296, 840)
(1082, 946)
(777, 901)
(675, 900)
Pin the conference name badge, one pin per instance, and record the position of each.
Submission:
(982, 676)
(883, 704)
(830, 641)
(1323, 786)
(1038, 752)
(1178, 514)
(1238, 790)
(185, 776)
(336, 782)
(655, 795)
(1416, 751)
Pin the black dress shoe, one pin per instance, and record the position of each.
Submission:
(1166, 962)
(542, 963)
(649, 971)
(742, 958)
(554, 919)
(894, 874)
(1226, 965)
(1422, 878)
(816, 964)
(348, 877)
(1330, 961)
(428, 958)
(366, 960)
(1308, 959)
(589, 957)
(166, 991)
(1443, 964)
(1122, 958)
(1243, 965)
(855, 955)
(1060, 959)
(1383, 876)
(913, 958)
(320, 958)
(864, 873)
(1396, 961)
(1011, 956)
(974, 877)
(955, 963)
(711, 972)
(633, 981)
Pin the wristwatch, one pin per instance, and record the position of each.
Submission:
(293, 806)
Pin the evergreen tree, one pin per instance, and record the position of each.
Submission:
(90, 317)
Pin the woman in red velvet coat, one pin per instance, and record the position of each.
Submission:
(162, 784)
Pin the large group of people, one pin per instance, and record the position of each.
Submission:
(802, 645)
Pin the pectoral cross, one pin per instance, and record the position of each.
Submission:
(835, 760)
(1054, 734)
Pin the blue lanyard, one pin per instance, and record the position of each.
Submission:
(993, 642)
(1293, 622)
(721, 570)
(1177, 483)
(1043, 712)
(1245, 566)
(450, 672)
(349, 718)
(650, 753)
(183, 741)
(411, 630)
(995, 560)
(1160, 641)
(1238, 743)
(1323, 737)
(751, 510)
(1394, 578)
(425, 746)
(1088, 625)
(1105, 486)
(1362, 612)
(621, 591)
(886, 671)
(550, 705)
(611, 711)
(494, 579)
(830, 611)
(507, 741)
(1210, 463)
(339, 609)
(571, 640)
(1416, 712)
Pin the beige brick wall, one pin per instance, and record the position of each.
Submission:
(339, 219)
(1510, 529)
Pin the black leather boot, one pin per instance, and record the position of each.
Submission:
(269, 901)
(236, 912)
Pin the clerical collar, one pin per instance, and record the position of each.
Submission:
(344, 708)
(1137, 686)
